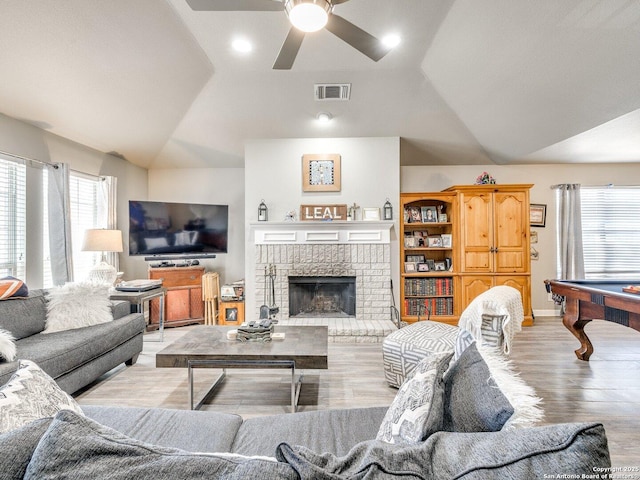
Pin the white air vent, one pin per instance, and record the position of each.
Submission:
(332, 91)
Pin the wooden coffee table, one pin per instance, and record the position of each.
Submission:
(208, 347)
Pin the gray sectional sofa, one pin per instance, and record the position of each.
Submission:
(73, 358)
(469, 418)
(467, 438)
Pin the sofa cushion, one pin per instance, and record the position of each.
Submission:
(76, 305)
(61, 352)
(577, 449)
(17, 447)
(416, 411)
(31, 394)
(24, 317)
(195, 431)
(334, 431)
(473, 402)
(77, 447)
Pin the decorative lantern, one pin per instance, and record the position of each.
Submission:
(387, 211)
(262, 212)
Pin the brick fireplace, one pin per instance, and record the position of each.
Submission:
(356, 252)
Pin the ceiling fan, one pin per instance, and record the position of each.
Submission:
(305, 16)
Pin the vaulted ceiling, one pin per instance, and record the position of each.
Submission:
(473, 81)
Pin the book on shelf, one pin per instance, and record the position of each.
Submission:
(428, 286)
(425, 307)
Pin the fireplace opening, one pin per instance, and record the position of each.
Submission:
(322, 297)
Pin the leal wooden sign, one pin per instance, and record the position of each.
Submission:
(323, 212)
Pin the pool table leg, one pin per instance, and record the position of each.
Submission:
(575, 325)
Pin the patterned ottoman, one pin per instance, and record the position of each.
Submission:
(404, 348)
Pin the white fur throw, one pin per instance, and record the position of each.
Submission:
(76, 305)
(526, 405)
(7, 346)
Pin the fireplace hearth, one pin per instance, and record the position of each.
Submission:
(322, 296)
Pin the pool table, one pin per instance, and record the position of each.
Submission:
(586, 300)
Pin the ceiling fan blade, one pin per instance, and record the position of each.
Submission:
(289, 50)
(236, 5)
(357, 38)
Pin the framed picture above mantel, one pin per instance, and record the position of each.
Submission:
(321, 172)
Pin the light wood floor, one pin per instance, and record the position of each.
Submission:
(606, 389)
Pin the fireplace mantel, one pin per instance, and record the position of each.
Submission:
(330, 232)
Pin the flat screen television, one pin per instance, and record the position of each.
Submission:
(173, 229)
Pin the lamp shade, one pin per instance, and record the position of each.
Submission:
(102, 240)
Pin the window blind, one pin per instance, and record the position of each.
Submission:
(12, 219)
(611, 231)
(83, 192)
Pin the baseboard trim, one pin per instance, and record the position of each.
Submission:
(547, 313)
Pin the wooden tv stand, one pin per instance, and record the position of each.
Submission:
(184, 305)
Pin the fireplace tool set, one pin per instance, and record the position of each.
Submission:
(269, 309)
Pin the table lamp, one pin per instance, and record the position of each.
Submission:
(102, 240)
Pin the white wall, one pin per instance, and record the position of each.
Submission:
(436, 178)
(223, 186)
(273, 172)
(19, 138)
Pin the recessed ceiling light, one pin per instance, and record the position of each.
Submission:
(391, 40)
(324, 117)
(242, 45)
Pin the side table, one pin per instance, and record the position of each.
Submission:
(138, 299)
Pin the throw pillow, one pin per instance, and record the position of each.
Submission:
(416, 411)
(463, 340)
(473, 402)
(77, 447)
(76, 305)
(491, 329)
(7, 346)
(31, 394)
(11, 287)
(527, 410)
(17, 447)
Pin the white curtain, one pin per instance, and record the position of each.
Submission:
(109, 194)
(569, 228)
(60, 224)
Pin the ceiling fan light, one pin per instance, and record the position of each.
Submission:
(308, 15)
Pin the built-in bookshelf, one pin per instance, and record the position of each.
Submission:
(428, 260)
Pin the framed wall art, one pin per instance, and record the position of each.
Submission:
(370, 214)
(537, 214)
(321, 172)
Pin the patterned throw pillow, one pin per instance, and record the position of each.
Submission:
(11, 287)
(463, 341)
(76, 305)
(416, 411)
(31, 394)
(491, 329)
